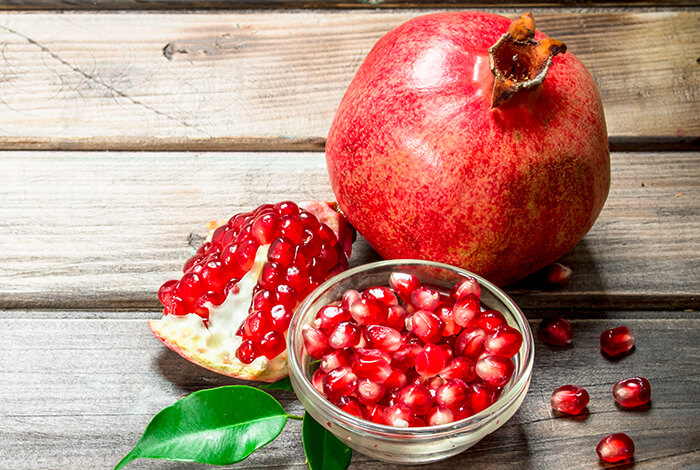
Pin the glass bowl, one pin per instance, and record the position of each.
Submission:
(417, 444)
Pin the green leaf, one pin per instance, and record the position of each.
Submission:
(284, 384)
(218, 426)
(323, 450)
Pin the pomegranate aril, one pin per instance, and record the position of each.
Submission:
(280, 317)
(291, 228)
(496, 370)
(335, 359)
(264, 228)
(286, 296)
(466, 310)
(345, 335)
(263, 301)
(166, 291)
(615, 448)
(383, 337)
(297, 277)
(368, 311)
(459, 368)
(467, 286)
(632, 392)
(201, 306)
(368, 391)
(339, 382)
(349, 298)
(462, 412)
(375, 413)
(372, 364)
(440, 415)
(417, 398)
(317, 381)
(327, 235)
(311, 245)
(256, 325)
(315, 342)
(286, 208)
(329, 316)
(231, 287)
(555, 331)
(557, 275)
(399, 416)
(503, 341)
(281, 251)
(382, 294)
(246, 254)
(569, 399)
(490, 320)
(470, 342)
(190, 287)
(309, 221)
(430, 361)
(452, 394)
(616, 341)
(395, 317)
(272, 344)
(444, 312)
(271, 275)
(425, 298)
(218, 234)
(426, 325)
(247, 351)
(397, 379)
(403, 284)
(405, 357)
(351, 405)
(481, 396)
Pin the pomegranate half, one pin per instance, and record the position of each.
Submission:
(451, 145)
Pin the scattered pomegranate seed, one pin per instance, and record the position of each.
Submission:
(615, 448)
(570, 399)
(555, 331)
(557, 274)
(616, 341)
(632, 392)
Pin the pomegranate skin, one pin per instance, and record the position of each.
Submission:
(424, 168)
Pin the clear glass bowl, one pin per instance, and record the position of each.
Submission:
(406, 445)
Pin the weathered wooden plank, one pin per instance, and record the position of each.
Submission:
(104, 230)
(272, 80)
(78, 393)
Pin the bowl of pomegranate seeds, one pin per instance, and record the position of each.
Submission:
(410, 361)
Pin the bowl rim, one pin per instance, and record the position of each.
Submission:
(473, 422)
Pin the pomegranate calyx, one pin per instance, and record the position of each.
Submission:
(518, 61)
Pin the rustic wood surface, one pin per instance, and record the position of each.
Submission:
(272, 80)
(88, 235)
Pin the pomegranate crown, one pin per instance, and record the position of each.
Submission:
(518, 61)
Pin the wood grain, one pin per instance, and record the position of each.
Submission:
(80, 398)
(272, 80)
(103, 230)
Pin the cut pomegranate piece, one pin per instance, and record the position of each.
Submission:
(615, 448)
(555, 331)
(616, 341)
(570, 399)
(244, 283)
(632, 392)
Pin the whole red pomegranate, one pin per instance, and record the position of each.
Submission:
(450, 147)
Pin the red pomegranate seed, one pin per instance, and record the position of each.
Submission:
(272, 344)
(351, 405)
(430, 361)
(382, 294)
(286, 296)
(426, 325)
(569, 399)
(481, 396)
(555, 331)
(490, 320)
(416, 397)
(368, 391)
(298, 278)
(245, 254)
(201, 306)
(349, 298)
(315, 342)
(383, 337)
(396, 317)
(398, 415)
(459, 368)
(433, 384)
(166, 291)
(397, 379)
(271, 275)
(317, 381)
(440, 415)
(405, 357)
(425, 298)
(329, 316)
(616, 341)
(309, 221)
(345, 335)
(557, 275)
(615, 448)
(335, 359)
(247, 351)
(291, 228)
(264, 227)
(339, 382)
(470, 342)
(467, 286)
(263, 301)
(452, 394)
(444, 312)
(496, 370)
(403, 284)
(462, 412)
(286, 208)
(256, 325)
(280, 317)
(190, 287)
(327, 235)
(503, 341)
(368, 311)
(311, 245)
(466, 310)
(632, 392)
(372, 364)
(375, 413)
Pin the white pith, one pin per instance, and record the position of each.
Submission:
(214, 346)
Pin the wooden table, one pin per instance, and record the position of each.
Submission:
(127, 124)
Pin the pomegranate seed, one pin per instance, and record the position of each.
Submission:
(271, 275)
(557, 275)
(317, 381)
(327, 235)
(218, 234)
(349, 298)
(256, 325)
(398, 415)
(440, 415)
(280, 317)
(417, 398)
(433, 384)
(466, 310)
(403, 284)
(231, 287)
(166, 291)
(405, 357)
(368, 391)
(345, 335)
(632, 392)
(397, 379)
(481, 396)
(372, 364)
(503, 341)
(616, 341)
(426, 325)
(315, 342)
(335, 359)
(417, 422)
(496, 370)
(470, 342)
(272, 344)
(462, 412)
(368, 311)
(309, 221)
(339, 382)
(329, 316)
(467, 286)
(396, 317)
(210, 298)
(444, 313)
(291, 228)
(375, 413)
(615, 448)
(459, 368)
(286, 296)
(430, 361)
(351, 405)
(569, 399)
(263, 301)
(555, 331)
(281, 251)
(264, 227)
(425, 298)
(490, 320)
(247, 351)
(452, 394)
(382, 294)
(286, 208)
(311, 245)
(383, 337)
(298, 278)
(448, 350)
(190, 287)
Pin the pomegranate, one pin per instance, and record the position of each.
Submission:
(230, 310)
(417, 373)
(451, 145)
